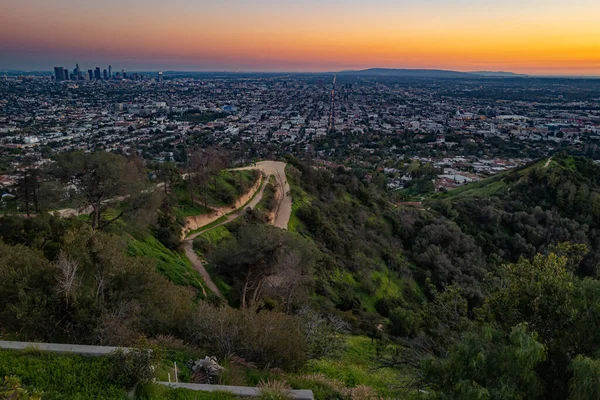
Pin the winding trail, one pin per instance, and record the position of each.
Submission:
(547, 163)
(281, 220)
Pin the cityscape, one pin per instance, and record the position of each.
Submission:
(63, 74)
(374, 123)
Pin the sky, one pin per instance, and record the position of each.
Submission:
(540, 37)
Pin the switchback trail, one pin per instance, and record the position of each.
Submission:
(282, 216)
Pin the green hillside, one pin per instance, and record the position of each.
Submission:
(487, 291)
(522, 212)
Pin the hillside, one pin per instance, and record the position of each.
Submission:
(441, 297)
(525, 211)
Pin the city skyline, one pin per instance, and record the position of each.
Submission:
(533, 37)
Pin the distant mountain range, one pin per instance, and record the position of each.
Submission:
(499, 74)
(428, 73)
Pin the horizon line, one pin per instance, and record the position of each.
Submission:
(229, 71)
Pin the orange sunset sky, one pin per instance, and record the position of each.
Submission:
(548, 37)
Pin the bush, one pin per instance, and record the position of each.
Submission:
(12, 389)
(268, 339)
(134, 366)
(323, 334)
(403, 322)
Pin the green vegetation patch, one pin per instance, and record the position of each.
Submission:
(160, 392)
(61, 377)
(222, 190)
(358, 365)
(174, 266)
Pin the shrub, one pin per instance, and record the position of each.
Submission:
(403, 322)
(12, 389)
(268, 339)
(323, 334)
(134, 366)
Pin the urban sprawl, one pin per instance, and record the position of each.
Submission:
(460, 129)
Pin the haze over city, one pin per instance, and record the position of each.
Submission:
(545, 37)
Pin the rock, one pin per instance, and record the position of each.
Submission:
(206, 370)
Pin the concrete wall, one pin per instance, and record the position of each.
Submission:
(242, 391)
(91, 351)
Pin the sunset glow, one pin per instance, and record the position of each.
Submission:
(530, 36)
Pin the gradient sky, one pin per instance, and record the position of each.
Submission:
(528, 36)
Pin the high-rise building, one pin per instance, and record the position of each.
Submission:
(160, 76)
(77, 72)
(97, 75)
(105, 74)
(59, 74)
(124, 74)
(110, 72)
(90, 74)
(66, 72)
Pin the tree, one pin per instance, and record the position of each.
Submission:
(561, 308)
(99, 178)
(260, 252)
(585, 383)
(28, 187)
(205, 165)
(487, 363)
(169, 175)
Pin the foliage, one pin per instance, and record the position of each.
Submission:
(160, 392)
(323, 334)
(86, 295)
(97, 178)
(585, 383)
(488, 364)
(560, 311)
(171, 264)
(528, 210)
(134, 366)
(266, 338)
(356, 366)
(62, 377)
(258, 254)
(12, 389)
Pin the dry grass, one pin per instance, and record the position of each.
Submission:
(274, 390)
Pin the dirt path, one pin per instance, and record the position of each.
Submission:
(547, 163)
(195, 222)
(282, 216)
(188, 243)
(284, 208)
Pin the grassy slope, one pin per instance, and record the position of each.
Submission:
(213, 238)
(494, 185)
(174, 266)
(73, 377)
(299, 198)
(356, 366)
(388, 283)
(228, 182)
